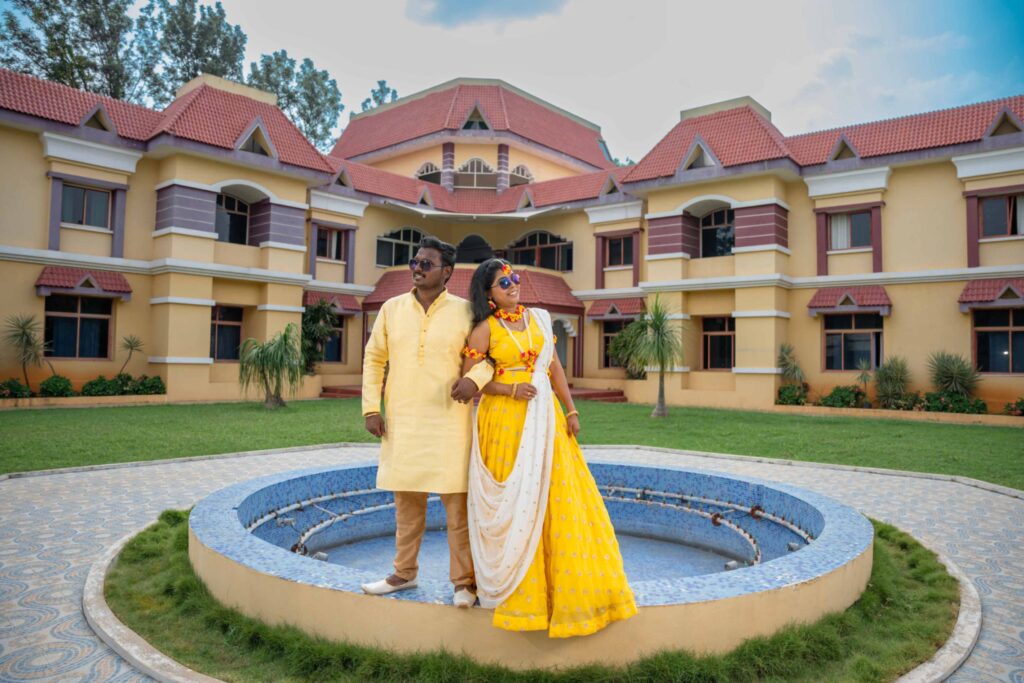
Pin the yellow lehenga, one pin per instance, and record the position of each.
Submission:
(575, 584)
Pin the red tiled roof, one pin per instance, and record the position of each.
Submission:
(829, 297)
(987, 291)
(60, 277)
(624, 307)
(735, 136)
(544, 290)
(954, 126)
(345, 303)
(447, 110)
(207, 115)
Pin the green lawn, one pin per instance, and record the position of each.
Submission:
(44, 439)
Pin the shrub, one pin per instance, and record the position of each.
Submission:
(1015, 408)
(56, 385)
(891, 380)
(149, 385)
(101, 386)
(787, 363)
(946, 402)
(125, 383)
(13, 388)
(909, 401)
(951, 373)
(851, 396)
(793, 395)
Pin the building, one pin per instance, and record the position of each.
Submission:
(214, 220)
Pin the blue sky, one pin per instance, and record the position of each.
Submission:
(632, 66)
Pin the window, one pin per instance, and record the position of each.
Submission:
(718, 346)
(77, 326)
(475, 121)
(430, 173)
(254, 145)
(851, 338)
(999, 340)
(520, 175)
(609, 330)
(542, 249)
(476, 173)
(330, 244)
(84, 206)
(232, 220)
(849, 230)
(225, 332)
(619, 251)
(334, 348)
(396, 248)
(1002, 216)
(716, 233)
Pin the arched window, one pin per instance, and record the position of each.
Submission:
(717, 235)
(520, 175)
(473, 249)
(398, 246)
(232, 220)
(476, 173)
(542, 249)
(429, 172)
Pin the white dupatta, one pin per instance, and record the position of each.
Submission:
(506, 518)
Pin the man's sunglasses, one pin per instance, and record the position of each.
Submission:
(424, 265)
(506, 282)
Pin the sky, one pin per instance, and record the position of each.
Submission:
(631, 66)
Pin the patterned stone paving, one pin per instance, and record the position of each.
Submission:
(54, 526)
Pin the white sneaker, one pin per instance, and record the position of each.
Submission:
(382, 587)
(464, 598)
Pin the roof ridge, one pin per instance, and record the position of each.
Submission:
(1005, 99)
(504, 107)
(186, 101)
(774, 133)
(451, 106)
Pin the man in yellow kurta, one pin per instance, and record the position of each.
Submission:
(426, 428)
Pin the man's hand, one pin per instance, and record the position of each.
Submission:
(463, 390)
(375, 425)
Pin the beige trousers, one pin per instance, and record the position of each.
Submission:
(410, 523)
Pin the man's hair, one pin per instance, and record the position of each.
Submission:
(446, 250)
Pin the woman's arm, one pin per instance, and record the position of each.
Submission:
(561, 386)
(477, 345)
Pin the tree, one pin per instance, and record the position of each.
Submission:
(382, 94)
(86, 44)
(272, 366)
(22, 333)
(131, 344)
(308, 96)
(653, 340)
(178, 41)
(318, 323)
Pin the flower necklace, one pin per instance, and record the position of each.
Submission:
(513, 316)
(528, 355)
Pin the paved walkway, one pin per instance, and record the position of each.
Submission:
(54, 526)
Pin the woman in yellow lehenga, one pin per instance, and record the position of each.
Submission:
(544, 549)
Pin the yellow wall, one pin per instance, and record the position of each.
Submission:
(407, 164)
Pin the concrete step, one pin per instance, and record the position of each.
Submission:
(341, 392)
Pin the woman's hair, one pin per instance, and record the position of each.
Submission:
(480, 285)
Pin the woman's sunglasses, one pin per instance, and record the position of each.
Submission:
(423, 264)
(506, 282)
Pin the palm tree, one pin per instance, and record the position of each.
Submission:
(272, 365)
(318, 323)
(23, 334)
(791, 371)
(652, 340)
(131, 344)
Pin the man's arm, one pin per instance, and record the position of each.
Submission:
(375, 357)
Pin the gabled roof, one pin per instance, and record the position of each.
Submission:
(865, 296)
(989, 291)
(61, 277)
(503, 107)
(546, 290)
(207, 115)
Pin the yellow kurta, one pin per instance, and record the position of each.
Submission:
(427, 440)
(576, 584)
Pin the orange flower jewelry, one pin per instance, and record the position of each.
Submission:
(506, 268)
(513, 316)
(473, 354)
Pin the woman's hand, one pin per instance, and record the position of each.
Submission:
(573, 424)
(524, 391)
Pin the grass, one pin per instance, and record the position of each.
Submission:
(907, 611)
(50, 438)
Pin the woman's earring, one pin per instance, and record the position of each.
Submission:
(490, 302)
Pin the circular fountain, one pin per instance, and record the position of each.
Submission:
(713, 560)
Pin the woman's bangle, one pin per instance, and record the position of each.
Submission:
(515, 385)
(571, 413)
